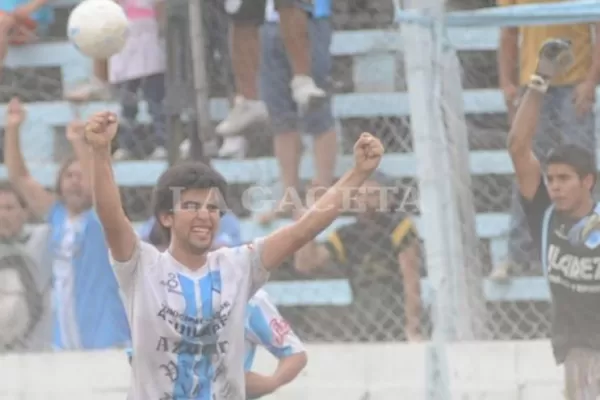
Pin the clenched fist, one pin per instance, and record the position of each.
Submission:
(554, 58)
(15, 113)
(100, 130)
(368, 151)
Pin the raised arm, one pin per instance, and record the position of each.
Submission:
(38, 199)
(284, 242)
(555, 56)
(120, 236)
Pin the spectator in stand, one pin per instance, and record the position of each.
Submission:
(139, 66)
(247, 16)
(380, 255)
(22, 21)
(88, 312)
(287, 120)
(567, 113)
(25, 278)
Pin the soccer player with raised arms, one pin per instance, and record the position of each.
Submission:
(564, 221)
(186, 306)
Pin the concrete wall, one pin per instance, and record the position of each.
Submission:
(482, 371)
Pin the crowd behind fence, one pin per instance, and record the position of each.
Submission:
(376, 284)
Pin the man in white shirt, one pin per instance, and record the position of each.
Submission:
(187, 306)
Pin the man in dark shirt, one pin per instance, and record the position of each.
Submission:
(379, 253)
(564, 222)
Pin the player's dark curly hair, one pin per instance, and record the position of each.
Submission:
(181, 177)
(579, 158)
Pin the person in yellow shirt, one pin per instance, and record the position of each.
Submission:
(567, 113)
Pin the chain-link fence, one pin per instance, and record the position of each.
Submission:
(374, 288)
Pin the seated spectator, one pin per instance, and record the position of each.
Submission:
(380, 255)
(247, 16)
(229, 234)
(22, 21)
(140, 66)
(287, 120)
(88, 312)
(25, 278)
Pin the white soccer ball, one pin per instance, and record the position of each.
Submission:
(98, 28)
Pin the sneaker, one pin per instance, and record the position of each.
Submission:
(306, 93)
(211, 149)
(502, 272)
(244, 114)
(159, 153)
(93, 89)
(121, 155)
(233, 147)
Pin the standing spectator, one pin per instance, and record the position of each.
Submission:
(139, 66)
(247, 16)
(380, 255)
(88, 312)
(25, 278)
(567, 113)
(21, 21)
(287, 120)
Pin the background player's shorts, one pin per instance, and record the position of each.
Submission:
(582, 374)
(276, 75)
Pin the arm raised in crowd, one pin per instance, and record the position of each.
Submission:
(38, 199)
(120, 236)
(284, 242)
(555, 56)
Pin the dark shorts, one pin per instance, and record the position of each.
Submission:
(253, 11)
(276, 75)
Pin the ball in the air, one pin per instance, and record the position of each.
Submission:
(98, 28)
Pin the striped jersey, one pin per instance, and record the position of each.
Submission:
(266, 327)
(188, 326)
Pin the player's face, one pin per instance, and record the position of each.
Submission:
(566, 189)
(12, 215)
(196, 218)
(369, 196)
(74, 192)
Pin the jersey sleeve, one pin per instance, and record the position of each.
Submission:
(126, 271)
(246, 260)
(270, 329)
(535, 209)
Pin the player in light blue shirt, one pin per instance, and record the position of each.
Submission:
(266, 327)
(264, 324)
(187, 306)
